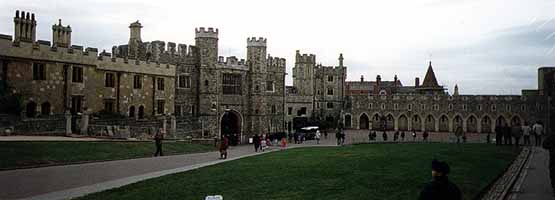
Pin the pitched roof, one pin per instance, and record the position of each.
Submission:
(430, 80)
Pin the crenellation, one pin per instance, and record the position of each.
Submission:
(202, 32)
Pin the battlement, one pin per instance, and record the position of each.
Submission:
(275, 63)
(254, 42)
(305, 58)
(206, 33)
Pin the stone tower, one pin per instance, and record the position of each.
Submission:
(303, 73)
(61, 35)
(256, 60)
(206, 40)
(134, 39)
(25, 27)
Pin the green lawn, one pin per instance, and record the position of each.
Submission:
(24, 154)
(375, 171)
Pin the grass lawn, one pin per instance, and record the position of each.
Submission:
(375, 171)
(22, 154)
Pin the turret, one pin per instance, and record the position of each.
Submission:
(416, 82)
(134, 39)
(207, 42)
(361, 78)
(256, 53)
(340, 60)
(61, 35)
(395, 81)
(25, 27)
(456, 90)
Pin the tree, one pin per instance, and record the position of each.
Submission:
(11, 102)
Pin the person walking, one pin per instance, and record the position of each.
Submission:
(317, 136)
(396, 136)
(370, 136)
(338, 137)
(440, 188)
(526, 133)
(549, 145)
(263, 143)
(498, 134)
(283, 143)
(158, 140)
(538, 133)
(516, 132)
(458, 134)
(325, 134)
(413, 135)
(507, 135)
(223, 147)
(256, 142)
(342, 136)
(384, 136)
(425, 136)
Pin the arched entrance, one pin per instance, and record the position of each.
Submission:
(471, 124)
(430, 123)
(31, 109)
(376, 122)
(389, 123)
(403, 123)
(444, 124)
(363, 121)
(231, 126)
(347, 121)
(486, 125)
(416, 123)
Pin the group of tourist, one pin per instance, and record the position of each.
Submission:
(398, 136)
(262, 143)
(340, 136)
(506, 135)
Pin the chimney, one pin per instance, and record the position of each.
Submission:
(361, 78)
(416, 82)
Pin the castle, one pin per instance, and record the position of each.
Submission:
(156, 80)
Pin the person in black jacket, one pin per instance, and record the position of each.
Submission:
(158, 140)
(507, 134)
(440, 188)
(498, 134)
(256, 142)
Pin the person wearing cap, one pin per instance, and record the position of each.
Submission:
(440, 187)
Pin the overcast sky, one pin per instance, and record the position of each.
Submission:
(484, 46)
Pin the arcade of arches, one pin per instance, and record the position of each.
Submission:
(431, 123)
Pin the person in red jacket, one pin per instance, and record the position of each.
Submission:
(223, 147)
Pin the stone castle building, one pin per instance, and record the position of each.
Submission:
(148, 80)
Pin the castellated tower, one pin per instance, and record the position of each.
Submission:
(206, 40)
(303, 73)
(25, 27)
(134, 39)
(61, 35)
(256, 54)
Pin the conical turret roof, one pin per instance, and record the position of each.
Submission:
(430, 80)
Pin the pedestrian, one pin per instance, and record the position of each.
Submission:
(370, 136)
(488, 138)
(317, 136)
(384, 136)
(516, 132)
(296, 137)
(507, 135)
(263, 143)
(498, 134)
(342, 137)
(526, 133)
(158, 140)
(425, 136)
(338, 137)
(549, 144)
(290, 137)
(223, 147)
(283, 143)
(325, 134)
(538, 133)
(395, 136)
(256, 142)
(458, 134)
(440, 187)
(413, 135)
(403, 136)
(464, 137)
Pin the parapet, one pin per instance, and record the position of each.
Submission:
(305, 58)
(253, 42)
(204, 33)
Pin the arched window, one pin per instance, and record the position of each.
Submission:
(31, 109)
(141, 112)
(132, 111)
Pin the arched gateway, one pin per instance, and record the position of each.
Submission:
(230, 126)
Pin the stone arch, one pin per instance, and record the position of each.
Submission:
(516, 121)
(347, 121)
(45, 109)
(31, 109)
(376, 121)
(231, 123)
(500, 120)
(416, 122)
(471, 124)
(141, 112)
(430, 123)
(389, 122)
(485, 124)
(403, 123)
(132, 111)
(363, 121)
(444, 123)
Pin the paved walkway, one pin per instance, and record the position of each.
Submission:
(534, 182)
(64, 182)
